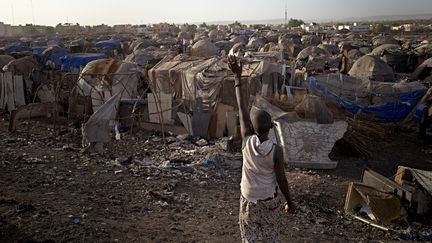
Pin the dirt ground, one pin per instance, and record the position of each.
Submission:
(144, 191)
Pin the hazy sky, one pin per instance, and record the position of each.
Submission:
(51, 12)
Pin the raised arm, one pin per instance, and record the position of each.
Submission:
(237, 68)
(281, 178)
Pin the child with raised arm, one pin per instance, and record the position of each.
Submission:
(263, 173)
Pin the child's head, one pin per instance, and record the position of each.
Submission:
(261, 121)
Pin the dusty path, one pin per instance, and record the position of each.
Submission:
(52, 193)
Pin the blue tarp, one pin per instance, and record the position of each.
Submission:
(76, 61)
(54, 55)
(108, 44)
(38, 50)
(17, 48)
(392, 112)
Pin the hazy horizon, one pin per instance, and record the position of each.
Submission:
(111, 12)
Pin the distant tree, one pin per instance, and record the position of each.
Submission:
(295, 22)
(203, 25)
(236, 23)
(379, 28)
(30, 30)
(59, 25)
(189, 28)
(212, 27)
(50, 30)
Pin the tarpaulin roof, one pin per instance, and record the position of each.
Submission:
(373, 68)
(38, 50)
(76, 61)
(423, 71)
(108, 44)
(394, 101)
(54, 54)
(17, 48)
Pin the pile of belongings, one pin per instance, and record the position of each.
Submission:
(380, 201)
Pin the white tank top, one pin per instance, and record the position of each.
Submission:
(258, 175)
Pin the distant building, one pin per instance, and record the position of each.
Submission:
(223, 28)
(312, 27)
(69, 28)
(404, 27)
(355, 28)
(142, 29)
(6, 30)
(164, 28)
(123, 28)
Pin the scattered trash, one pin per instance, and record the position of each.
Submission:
(76, 221)
(201, 142)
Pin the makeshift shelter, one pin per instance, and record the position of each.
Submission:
(148, 56)
(312, 51)
(238, 49)
(372, 68)
(141, 44)
(224, 45)
(204, 48)
(185, 35)
(108, 44)
(54, 55)
(305, 142)
(315, 59)
(16, 48)
(389, 102)
(423, 71)
(310, 40)
(190, 78)
(255, 43)
(214, 35)
(393, 55)
(332, 49)
(239, 39)
(424, 50)
(5, 59)
(383, 39)
(272, 37)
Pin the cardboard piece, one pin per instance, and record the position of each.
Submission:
(386, 208)
(373, 179)
(419, 184)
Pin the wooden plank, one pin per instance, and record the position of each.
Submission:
(160, 103)
(186, 121)
(373, 179)
(221, 117)
(2, 92)
(232, 120)
(201, 123)
(19, 94)
(9, 91)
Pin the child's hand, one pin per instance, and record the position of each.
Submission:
(235, 65)
(290, 208)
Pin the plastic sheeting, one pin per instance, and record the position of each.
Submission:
(54, 54)
(75, 62)
(108, 44)
(190, 78)
(392, 111)
(17, 48)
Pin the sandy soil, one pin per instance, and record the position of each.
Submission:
(50, 192)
